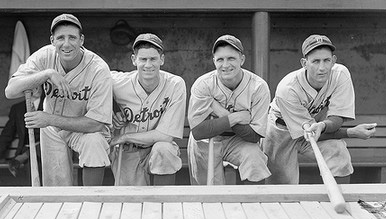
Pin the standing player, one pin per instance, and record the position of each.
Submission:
(239, 101)
(78, 104)
(152, 104)
(321, 94)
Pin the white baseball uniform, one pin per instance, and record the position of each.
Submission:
(297, 102)
(91, 84)
(162, 110)
(251, 94)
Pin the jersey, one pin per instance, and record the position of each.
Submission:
(162, 110)
(297, 102)
(251, 94)
(90, 82)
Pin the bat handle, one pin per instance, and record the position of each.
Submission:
(35, 180)
(119, 166)
(210, 174)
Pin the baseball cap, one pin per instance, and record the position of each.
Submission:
(315, 41)
(231, 40)
(65, 18)
(150, 38)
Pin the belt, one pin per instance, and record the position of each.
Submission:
(280, 121)
(227, 134)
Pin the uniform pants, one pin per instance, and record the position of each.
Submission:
(56, 152)
(138, 163)
(282, 152)
(250, 159)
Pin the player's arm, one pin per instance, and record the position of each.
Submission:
(18, 84)
(362, 131)
(40, 119)
(145, 139)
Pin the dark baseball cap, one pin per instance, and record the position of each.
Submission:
(315, 41)
(65, 18)
(150, 38)
(231, 40)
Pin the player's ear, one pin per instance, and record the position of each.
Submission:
(303, 62)
(81, 39)
(52, 39)
(242, 59)
(162, 58)
(334, 58)
(133, 59)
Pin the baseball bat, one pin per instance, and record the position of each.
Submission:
(35, 180)
(334, 194)
(120, 149)
(210, 176)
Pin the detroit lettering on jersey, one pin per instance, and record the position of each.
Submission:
(76, 95)
(145, 114)
(316, 109)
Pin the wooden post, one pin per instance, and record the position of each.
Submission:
(260, 44)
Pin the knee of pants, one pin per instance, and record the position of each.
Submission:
(164, 158)
(252, 152)
(93, 150)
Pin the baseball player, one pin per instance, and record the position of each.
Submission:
(78, 104)
(238, 100)
(152, 106)
(320, 94)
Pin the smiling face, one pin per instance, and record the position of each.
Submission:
(148, 62)
(228, 62)
(318, 64)
(68, 40)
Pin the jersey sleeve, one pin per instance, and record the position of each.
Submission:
(260, 106)
(35, 63)
(342, 102)
(173, 119)
(199, 103)
(99, 106)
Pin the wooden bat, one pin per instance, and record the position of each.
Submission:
(120, 149)
(210, 176)
(333, 191)
(35, 180)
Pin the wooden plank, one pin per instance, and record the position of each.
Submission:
(49, 210)
(152, 210)
(111, 210)
(193, 210)
(315, 210)
(234, 210)
(69, 210)
(243, 5)
(6, 204)
(132, 210)
(357, 212)
(379, 119)
(90, 210)
(372, 142)
(28, 210)
(13, 210)
(274, 210)
(330, 210)
(172, 210)
(294, 210)
(254, 211)
(213, 210)
(224, 193)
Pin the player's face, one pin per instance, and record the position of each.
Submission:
(318, 64)
(148, 62)
(68, 41)
(228, 62)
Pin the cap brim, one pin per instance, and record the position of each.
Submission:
(148, 41)
(319, 45)
(224, 41)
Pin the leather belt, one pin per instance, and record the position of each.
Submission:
(280, 121)
(227, 134)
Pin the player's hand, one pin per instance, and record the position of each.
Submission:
(60, 82)
(362, 131)
(119, 120)
(240, 117)
(315, 129)
(119, 139)
(37, 119)
(219, 110)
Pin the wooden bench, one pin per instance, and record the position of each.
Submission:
(370, 153)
